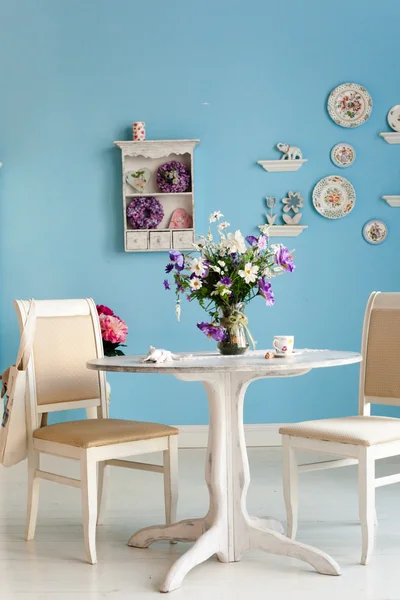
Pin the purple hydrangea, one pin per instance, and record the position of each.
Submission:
(173, 177)
(166, 284)
(284, 259)
(264, 289)
(215, 332)
(252, 240)
(178, 259)
(144, 212)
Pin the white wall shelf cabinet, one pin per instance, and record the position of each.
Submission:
(391, 137)
(286, 230)
(393, 201)
(151, 154)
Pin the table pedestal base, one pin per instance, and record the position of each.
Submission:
(227, 530)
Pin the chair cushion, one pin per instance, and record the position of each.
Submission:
(362, 431)
(91, 433)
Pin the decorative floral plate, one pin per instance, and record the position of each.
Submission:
(375, 231)
(350, 105)
(334, 197)
(343, 155)
(394, 117)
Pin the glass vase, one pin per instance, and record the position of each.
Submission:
(234, 321)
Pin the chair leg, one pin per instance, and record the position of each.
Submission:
(102, 489)
(290, 486)
(171, 479)
(366, 502)
(89, 504)
(33, 494)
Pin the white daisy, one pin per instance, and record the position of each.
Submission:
(198, 267)
(215, 216)
(195, 283)
(250, 273)
(223, 226)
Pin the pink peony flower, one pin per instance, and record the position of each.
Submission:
(113, 329)
(104, 310)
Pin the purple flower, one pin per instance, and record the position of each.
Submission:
(212, 331)
(284, 259)
(264, 289)
(177, 258)
(166, 284)
(226, 281)
(262, 242)
(169, 268)
(252, 240)
(188, 298)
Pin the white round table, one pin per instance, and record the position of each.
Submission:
(228, 530)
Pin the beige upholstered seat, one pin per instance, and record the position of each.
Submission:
(362, 431)
(92, 433)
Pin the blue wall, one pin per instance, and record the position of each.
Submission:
(241, 77)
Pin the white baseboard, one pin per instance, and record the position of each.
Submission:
(195, 436)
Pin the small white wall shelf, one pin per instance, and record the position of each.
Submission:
(152, 154)
(286, 230)
(391, 137)
(393, 201)
(274, 166)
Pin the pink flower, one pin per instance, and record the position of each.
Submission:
(104, 310)
(113, 329)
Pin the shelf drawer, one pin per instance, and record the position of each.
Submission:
(137, 240)
(182, 239)
(160, 240)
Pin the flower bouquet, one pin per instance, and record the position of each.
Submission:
(230, 271)
(113, 331)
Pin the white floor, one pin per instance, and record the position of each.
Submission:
(53, 566)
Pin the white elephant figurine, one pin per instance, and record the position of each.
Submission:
(289, 152)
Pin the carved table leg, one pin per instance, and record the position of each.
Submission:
(188, 530)
(253, 532)
(227, 530)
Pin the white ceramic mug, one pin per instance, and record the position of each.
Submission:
(283, 344)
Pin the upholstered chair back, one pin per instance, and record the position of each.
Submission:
(380, 372)
(67, 335)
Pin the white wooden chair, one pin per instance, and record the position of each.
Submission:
(357, 440)
(68, 335)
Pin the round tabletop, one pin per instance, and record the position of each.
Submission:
(253, 361)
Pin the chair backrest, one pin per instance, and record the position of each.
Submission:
(67, 335)
(380, 348)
